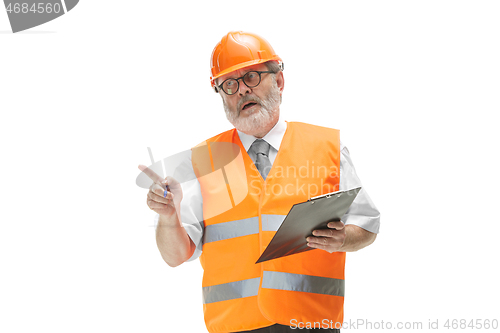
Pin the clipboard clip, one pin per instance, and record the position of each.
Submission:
(320, 197)
(338, 194)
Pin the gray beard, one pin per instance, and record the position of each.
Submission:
(260, 120)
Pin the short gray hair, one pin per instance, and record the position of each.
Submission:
(273, 66)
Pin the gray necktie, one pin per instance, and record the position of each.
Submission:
(260, 150)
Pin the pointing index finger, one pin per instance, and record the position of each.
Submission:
(151, 174)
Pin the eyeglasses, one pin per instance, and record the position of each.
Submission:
(251, 79)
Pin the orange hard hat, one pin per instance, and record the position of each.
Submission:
(238, 50)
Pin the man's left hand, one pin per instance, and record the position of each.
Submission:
(330, 240)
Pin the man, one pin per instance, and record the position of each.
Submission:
(279, 164)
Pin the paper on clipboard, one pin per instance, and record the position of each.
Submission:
(305, 217)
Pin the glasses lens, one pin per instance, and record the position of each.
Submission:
(252, 79)
(230, 86)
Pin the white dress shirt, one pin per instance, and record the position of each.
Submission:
(362, 212)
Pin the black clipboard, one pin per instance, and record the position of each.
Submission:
(305, 217)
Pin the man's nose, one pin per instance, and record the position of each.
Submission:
(243, 89)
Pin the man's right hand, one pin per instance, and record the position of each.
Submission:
(172, 239)
(168, 206)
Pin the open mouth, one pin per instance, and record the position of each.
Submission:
(248, 105)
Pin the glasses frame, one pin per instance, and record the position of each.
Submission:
(243, 79)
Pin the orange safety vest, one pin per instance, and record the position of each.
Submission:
(241, 215)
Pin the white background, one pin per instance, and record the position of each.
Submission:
(413, 86)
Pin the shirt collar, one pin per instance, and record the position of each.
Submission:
(274, 137)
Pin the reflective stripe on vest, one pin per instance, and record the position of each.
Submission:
(231, 290)
(305, 283)
(238, 228)
(272, 222)
(273, 280)
(232, 229)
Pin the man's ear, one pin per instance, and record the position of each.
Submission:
(280, 81)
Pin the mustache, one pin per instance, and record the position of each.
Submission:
(245, 99)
